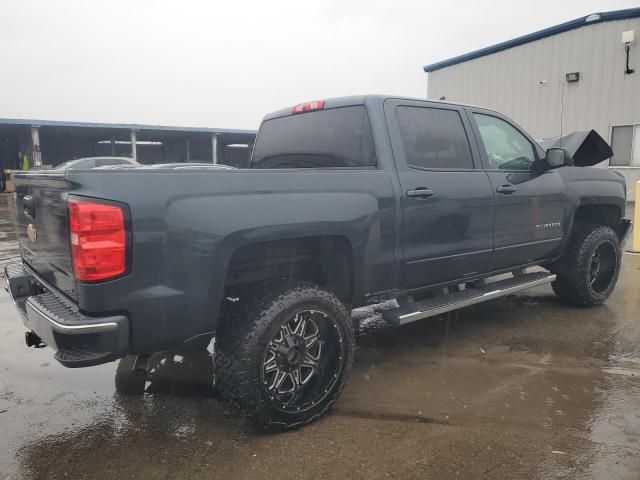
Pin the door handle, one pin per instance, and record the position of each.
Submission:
(421, 192)
(506, 189)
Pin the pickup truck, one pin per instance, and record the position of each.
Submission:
(346, 202)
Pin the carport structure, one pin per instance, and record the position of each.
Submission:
(47, 143)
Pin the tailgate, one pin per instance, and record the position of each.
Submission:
(42, 227)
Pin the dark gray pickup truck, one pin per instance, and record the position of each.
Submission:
(347, 202)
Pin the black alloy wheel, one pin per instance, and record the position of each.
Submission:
(283, 353)
(302, 361)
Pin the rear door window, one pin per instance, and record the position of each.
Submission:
(433, 138)
(334, 138)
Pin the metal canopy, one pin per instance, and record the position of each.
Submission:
(124, 126)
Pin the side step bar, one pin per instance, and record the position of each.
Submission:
(410, 312)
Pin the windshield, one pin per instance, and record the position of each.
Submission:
(66, 165)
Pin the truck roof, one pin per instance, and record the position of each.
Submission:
(351, 100)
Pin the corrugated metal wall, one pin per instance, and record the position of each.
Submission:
(528, 84)
(510, 81)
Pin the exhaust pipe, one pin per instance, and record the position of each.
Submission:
(33, 340)
(141, 365)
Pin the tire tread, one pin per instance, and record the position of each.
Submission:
(570, 284)
(237, 341)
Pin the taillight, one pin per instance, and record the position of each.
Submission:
(98, 240)
(308, 106)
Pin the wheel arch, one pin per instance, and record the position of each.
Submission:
(607, 214)
(326, 260)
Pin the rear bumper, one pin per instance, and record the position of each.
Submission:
(79, 340)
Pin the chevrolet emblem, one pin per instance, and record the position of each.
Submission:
(32, 233)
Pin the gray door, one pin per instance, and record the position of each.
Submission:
(529, 202)
(447, 201)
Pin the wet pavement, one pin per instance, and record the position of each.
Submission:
(521, 387)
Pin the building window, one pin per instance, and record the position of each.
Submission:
(625, 143)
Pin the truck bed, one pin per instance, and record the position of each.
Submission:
(186, 225)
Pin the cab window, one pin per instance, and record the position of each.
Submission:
(506, 147)
(433, 138)
(333, 138)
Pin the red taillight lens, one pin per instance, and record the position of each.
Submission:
(307, 107)
(98, 240)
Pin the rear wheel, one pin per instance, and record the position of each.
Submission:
(283, 353)
(589, 271)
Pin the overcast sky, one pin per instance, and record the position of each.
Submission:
(226, 64)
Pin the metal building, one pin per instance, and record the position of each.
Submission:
(45, 143)
(579, 75)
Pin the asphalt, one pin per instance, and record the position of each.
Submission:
(520, 387)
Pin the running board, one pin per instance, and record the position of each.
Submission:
(410, 312)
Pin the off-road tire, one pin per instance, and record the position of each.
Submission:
(572, 282)
(242, 337)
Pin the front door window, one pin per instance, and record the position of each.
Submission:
(506, 147)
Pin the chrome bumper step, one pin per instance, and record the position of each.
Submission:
(410, 312)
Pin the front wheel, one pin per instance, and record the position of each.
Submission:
(283, 353)
(588, 273)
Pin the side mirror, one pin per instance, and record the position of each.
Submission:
(558, 157)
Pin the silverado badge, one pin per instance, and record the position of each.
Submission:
(548, 226)
(32, 233)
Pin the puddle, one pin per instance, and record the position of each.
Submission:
(521, 387)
